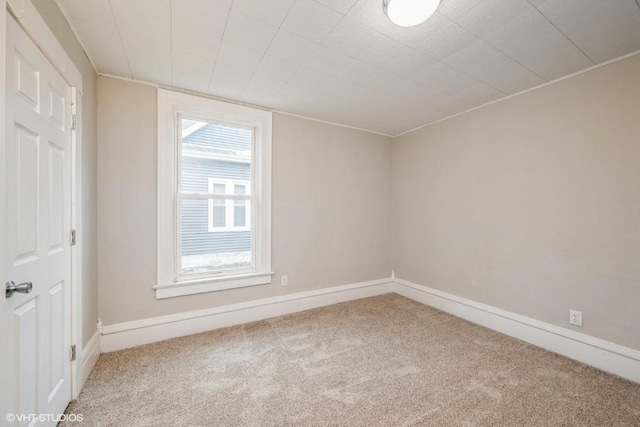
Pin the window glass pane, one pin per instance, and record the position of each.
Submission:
(219, 188)
(240, 207)
(218, 213)
(216, 234)
(240, 213)
(205, 251)
(214, 151)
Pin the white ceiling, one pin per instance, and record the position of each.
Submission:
(343, 61)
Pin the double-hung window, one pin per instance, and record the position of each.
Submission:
(214, 195)
(229, 215)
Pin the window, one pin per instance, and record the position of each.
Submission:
(214, 195)
(228, 215)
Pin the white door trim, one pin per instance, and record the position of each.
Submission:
(39, 32)
(3, 196)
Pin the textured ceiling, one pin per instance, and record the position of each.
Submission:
(343, 61)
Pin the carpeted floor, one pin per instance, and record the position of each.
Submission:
(380, 361)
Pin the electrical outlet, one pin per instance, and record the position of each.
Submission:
(284, 281)
(575, 317)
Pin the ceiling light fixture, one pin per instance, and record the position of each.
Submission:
(407, 13)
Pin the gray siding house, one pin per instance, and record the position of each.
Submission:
(215, 157)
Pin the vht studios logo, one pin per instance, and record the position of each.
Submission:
(11, 417)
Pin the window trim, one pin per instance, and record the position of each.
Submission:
(171, 107)
(229, 207)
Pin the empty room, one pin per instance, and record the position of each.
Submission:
(320, 212)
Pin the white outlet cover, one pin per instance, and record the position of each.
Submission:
(575, 317)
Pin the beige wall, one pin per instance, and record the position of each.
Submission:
(60, 28)
(531, 204)
(331, 212)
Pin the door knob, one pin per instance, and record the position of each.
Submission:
(11, 288)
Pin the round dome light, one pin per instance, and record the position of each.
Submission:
(407, 13)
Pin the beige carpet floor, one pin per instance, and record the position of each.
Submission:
(382, 361)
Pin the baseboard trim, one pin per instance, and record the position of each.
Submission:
(605, 355)
(90, 354)
(131, 334)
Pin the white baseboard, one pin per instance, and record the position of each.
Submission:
(605, 355)
(88, 358)
(131, 334)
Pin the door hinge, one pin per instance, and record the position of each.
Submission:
(73, 121)
(73, 237)
(73, 352)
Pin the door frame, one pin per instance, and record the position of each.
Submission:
(3, 194)
(38, 30)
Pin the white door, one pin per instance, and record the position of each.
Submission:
(37, 225)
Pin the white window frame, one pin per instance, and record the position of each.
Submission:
(172, 106)
(230, 206)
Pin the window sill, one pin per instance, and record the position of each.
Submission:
(212, 284)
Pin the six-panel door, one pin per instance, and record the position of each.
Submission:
(38, 180)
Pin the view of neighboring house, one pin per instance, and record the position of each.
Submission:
(216, 159)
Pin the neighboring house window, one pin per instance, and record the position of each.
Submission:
(214, 195)
(229, 215)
